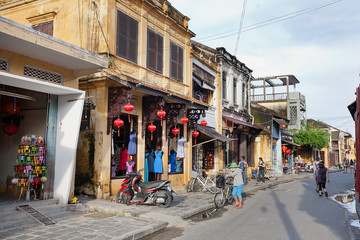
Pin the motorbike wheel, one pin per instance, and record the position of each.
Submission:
(219, 199)
(122, 197)
(190, 185)
(168, 199)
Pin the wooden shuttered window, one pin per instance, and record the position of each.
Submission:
(127, 37)
(155, 51)
(176, 62)
(45, 27)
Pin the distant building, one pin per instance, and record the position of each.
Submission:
(288, 104)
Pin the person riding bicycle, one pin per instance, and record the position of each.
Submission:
(238, 184)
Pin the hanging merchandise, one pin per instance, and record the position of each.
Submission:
(203, 123)
(118, 123)
(195, 134)
(284, 148)
(175, 131)
(30, 168)
(129, 107)
(161, 114)
(151, 128)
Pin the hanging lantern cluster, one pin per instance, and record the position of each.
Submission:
(118, 123)
(129, 107)
(161, 114)
(151, 128)
(175, 131)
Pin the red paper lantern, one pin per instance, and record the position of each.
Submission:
(10, 129)
(203, 123)
(195, 134)
(151, 128)
(284, 148)
(161, 114)
(184, 120)
(11, 108)
(288, 151)
(175, 131)
(118, 122)
(129, 107)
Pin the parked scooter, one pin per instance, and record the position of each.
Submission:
(133, 190)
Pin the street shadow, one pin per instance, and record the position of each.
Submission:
(322, 210)
(287, 222)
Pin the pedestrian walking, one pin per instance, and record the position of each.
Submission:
(261, 173)
(237, 185)
(346, 165)
(323, 174)
(351, 166)
(243, 166)
(316, 173)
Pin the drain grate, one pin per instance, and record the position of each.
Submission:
(35, 214)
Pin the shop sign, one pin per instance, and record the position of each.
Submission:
(287, 135)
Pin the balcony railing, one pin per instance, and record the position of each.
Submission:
(269, 97)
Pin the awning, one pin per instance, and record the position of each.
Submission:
(210, 132)
(242, 123)
(291, 143)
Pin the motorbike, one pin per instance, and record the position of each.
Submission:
(134, 190)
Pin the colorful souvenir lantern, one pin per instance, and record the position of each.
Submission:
(118, 123)
(151, 128)
(195, 134)
(129, 107)
(11, 107)
(284, 149)
(161, 114)
(203, 123)
(175, 131)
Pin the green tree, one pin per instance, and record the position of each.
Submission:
(310, 136)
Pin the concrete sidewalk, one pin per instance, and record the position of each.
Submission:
(110, 220)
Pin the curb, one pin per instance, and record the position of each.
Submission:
(205, 208)
(145, 231)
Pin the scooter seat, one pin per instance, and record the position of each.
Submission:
(152, 184)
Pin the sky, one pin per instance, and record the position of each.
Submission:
(320, 46)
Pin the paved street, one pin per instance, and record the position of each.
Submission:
(288, 211)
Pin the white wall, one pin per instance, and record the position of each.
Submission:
(68, 125)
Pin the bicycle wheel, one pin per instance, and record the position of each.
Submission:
(197, 185)
(211, 186)
(219, 199)
(190, 185)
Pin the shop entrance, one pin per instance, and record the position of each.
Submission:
(153, 150)
(24, 116)
(124, 155)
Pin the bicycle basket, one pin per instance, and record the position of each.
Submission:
(220, 181)
(194, 174)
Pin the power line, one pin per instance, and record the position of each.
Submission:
(270, 21)
(240, 26)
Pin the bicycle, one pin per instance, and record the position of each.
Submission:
(225, 195)
(198, 182)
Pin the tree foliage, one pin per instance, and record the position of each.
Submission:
(311, 137)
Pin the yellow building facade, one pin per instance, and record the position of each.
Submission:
(150, 67)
